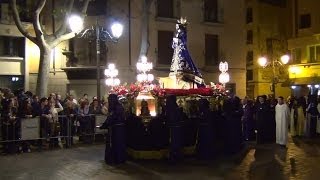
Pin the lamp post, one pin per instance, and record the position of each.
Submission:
(97, 33)
(263, 62)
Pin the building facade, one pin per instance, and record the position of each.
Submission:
(268, 26)
(305, 48)
(19, 57)
(216, 32)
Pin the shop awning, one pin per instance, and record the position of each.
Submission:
(305, 81)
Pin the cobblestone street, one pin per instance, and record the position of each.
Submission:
(299, 161)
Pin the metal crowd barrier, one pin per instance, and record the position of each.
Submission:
(29, 129)
(99, 121)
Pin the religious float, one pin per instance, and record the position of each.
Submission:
(148, 136)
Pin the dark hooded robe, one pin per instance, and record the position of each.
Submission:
(263, 118)
(233, 126)
(115, 152)
(248, 123)
(176, 129)
(205, 145)
(271, 124)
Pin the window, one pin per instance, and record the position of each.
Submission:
(296, 55)
(12, 46)
(211, 10)
(249, 37)
(24, 13)
(168, 8)
(314, 53)
(249, 16)
(250, 90)
(2, 11)
(97, 7)
(165, 50)
(92, 54)
(211, 49)
(249, 75)
(12, 82)
(305, 21)
(249, 58)
(85, 52)
(279, 3)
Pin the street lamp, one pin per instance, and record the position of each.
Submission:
(112, 74)
(99, 34)
(263, 62)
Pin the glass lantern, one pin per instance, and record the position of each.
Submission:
(145, 105)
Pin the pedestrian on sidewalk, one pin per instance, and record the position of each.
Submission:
(282, 122)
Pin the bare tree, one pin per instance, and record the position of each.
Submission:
(45, 42)
(145, 28)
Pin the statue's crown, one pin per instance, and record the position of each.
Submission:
(182, 20)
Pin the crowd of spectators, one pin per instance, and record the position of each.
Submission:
(20, 105)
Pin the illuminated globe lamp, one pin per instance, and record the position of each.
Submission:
(262, 61)
(285, 59)
(223, 66)
(112, 74)
(224, 77)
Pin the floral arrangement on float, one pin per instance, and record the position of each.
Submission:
(133, 90)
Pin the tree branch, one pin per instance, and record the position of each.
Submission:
(43, 29)
(60, 35)
(64, 37)
(18, 22)
(36, 21)
(63, 27)
(85, 7)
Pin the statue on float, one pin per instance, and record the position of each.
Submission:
(183, 72)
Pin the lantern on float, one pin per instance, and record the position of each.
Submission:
(111, 74)
(144, 67)
(224, 77)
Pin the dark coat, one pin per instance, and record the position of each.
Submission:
(248, 122)
(263, 118)
(115, 152)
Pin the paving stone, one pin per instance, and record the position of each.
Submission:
(299, 161)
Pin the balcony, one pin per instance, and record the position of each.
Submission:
(83, 72)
